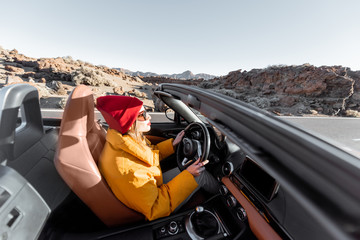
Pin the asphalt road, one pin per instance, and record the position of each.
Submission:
(342, 132)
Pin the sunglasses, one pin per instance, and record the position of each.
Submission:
(143, 114)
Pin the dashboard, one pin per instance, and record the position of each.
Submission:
(250, 196)
(248, 187)
(248, 191)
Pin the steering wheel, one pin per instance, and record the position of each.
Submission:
(195, 144)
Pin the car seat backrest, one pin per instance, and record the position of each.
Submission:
(15, 98)
(24, 145)
(81, 140)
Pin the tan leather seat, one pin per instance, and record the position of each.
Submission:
(81, 140)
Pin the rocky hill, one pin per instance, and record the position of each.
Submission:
(187, 75)
(56, 77)
(283, 90)
(295, 90)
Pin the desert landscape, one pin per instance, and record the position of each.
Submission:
(283, 90)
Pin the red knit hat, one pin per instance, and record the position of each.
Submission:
(120, 112)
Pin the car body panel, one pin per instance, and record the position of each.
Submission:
(314, 185)
(320, 177)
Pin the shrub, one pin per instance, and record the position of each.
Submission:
(209, 85)
(227, 92)
(90, 76)
(352, 113)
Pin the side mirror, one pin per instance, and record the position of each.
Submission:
(170, 114)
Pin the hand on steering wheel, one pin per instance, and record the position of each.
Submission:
(197, 167)
(193, 146)
(178, 138)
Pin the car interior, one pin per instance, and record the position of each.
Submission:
(51, 187)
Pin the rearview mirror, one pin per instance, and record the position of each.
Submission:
(170, 114)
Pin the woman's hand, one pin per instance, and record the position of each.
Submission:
(197, 167)
(178, 138)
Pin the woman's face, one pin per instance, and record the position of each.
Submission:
(143, 121)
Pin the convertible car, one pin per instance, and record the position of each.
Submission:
(276, 180)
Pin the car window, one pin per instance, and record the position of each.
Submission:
(203, 118)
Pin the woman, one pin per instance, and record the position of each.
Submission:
(131, 166)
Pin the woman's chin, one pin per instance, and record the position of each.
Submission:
(146, 130)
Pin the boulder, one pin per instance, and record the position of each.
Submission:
(118, 90)
(14, 69)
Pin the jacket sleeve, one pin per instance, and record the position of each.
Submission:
(165, 148)
(155, 202)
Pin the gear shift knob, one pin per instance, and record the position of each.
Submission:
(202, 224)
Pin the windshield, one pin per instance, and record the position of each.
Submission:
(341, 132)
(202, 118)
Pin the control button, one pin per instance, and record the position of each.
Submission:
(231, 201)
(173, 228)
(199, 209)
(241, 213)
(161, 232)
(223, 190)
(181, 227)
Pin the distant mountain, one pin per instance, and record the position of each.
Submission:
(182, 76)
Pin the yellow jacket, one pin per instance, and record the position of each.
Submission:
(134, 175)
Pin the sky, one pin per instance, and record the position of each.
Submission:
(172, 36)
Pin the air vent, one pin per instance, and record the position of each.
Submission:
(227, 168)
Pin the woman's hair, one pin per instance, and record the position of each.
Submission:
(136, 135)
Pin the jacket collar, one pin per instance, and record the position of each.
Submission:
(129, 145)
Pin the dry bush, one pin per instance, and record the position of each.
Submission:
(69, 60)
(352, 113)
(260, 102)
(209, 85)
(275, 66)
(227, 92)
(92, 77)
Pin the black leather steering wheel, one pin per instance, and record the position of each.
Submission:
(195, 144)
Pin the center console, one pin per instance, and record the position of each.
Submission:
(218, 218)
(198, 224)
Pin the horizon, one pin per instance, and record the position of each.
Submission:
(133, 71)
(203, 36)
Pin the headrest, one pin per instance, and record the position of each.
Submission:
(120, 112)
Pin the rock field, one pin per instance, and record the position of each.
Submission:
(283, 90)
